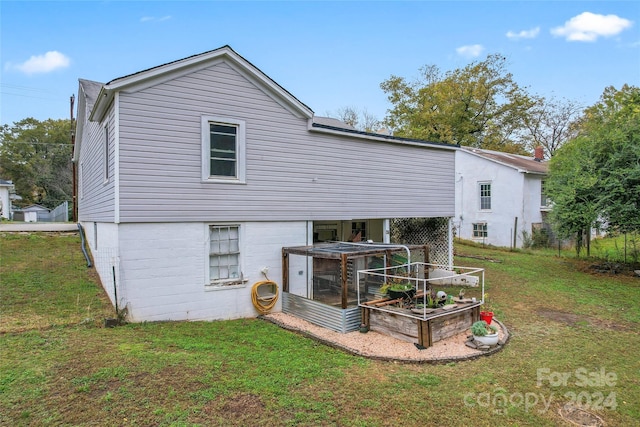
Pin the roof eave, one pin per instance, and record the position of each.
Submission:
(102, 102)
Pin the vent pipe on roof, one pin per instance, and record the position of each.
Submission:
(538, 154)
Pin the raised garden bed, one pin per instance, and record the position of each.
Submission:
(403, 324)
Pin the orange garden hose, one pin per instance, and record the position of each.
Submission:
(264, 303)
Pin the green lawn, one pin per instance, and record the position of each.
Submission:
(575, 337)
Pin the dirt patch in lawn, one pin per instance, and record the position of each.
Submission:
(572, 319)
(241, 404)
(238, 410)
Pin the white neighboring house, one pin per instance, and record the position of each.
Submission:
(499, 196)
(193, 175)
(7, 195)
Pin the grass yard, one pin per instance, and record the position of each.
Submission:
(575, 338)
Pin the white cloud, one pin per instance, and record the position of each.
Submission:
(470, 51)
(154, 19)
(587, 27)
(524, 34)
(46, 63)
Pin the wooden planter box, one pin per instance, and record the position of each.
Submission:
(423, 331)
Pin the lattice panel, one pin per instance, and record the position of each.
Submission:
(419, 231)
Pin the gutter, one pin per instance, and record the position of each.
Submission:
(332, 130)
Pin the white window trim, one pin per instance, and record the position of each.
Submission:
(480, 184)
(206, 150)
(217, 285)
(106, 176)
(486, 226)
(546, 203)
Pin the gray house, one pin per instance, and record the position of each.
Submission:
(194, 175)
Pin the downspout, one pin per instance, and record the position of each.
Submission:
(83, 244)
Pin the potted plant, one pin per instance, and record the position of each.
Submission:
(487, 313)
(484, 333)
(397, 290)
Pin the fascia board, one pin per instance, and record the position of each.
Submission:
(100, 106)
(80, 119)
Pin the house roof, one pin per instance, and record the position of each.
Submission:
(330, 121)
(91, 90)
(174, 69)
(34, 208)
(521, 163)
(5, 183)
(335, 250)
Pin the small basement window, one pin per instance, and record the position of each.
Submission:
(224, 255)
(480, 230)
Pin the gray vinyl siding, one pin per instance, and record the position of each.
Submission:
(96, 201)
(291, 173)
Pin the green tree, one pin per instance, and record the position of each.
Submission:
(597, 174)
(479, 105)
(36, 156)
(613, 126)
(572, 185)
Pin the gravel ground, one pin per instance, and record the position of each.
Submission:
(379, 346)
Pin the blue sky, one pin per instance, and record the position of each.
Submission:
(328, 54)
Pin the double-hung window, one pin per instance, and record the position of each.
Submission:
(544, 200)
(224, 255)
(223, 149)
(485, 196)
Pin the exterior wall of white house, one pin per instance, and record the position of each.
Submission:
(5, 202)
(102, 241)
(514, 194)
(532, 211)
(162, 267)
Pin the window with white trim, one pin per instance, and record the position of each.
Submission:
(544, 199)
(223, 149)
(485, 196)
(480, 230)
(224, 255)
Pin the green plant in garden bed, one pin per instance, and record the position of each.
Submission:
(482, 329)
(397, 287)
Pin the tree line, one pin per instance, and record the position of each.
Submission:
(594, 152)
(36, 156)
